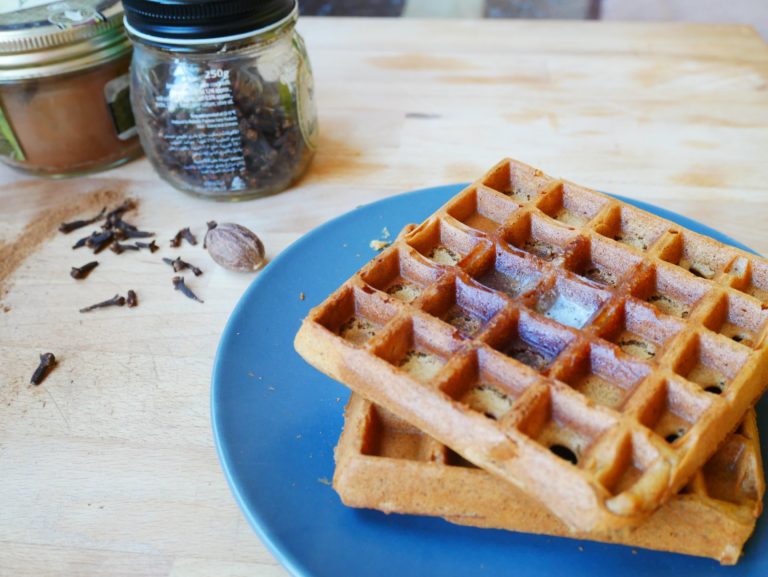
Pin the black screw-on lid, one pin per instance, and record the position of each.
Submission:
(180, 20)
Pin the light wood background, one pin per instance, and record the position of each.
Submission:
(109, 468)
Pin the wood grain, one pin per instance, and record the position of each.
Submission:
(109, 468)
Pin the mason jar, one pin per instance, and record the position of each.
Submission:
(64, 83)
(223, 95)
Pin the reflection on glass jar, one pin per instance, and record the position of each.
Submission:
(224, 111)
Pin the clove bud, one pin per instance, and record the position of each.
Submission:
(178, 284)
(151, 246)
(67, 227)
(83, 271)
(47, 363)
(180, 265)
(115, 301)
(120, 248)
(183, 234)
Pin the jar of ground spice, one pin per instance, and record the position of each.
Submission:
(64, 87)
(222, 91)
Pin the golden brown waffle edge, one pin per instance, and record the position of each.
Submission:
(384, 463)
(589, 353)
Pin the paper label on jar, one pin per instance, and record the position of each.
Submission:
(9, 145)
(117, 93)
(205, 128)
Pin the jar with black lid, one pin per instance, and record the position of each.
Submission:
(223, 95)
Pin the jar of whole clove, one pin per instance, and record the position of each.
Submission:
(64, 83)
(222, 92)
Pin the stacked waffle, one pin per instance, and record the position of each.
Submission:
(537, 356)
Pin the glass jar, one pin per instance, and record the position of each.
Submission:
(64, 83)
(223, 95)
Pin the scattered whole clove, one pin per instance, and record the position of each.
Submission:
(120, 248)
(183, 234)
(120, 224)
(116, 215)
(115, 301)
(82, 272)
(136, 233)
(151, 246)
(178, 284)
(131, 300)
(81, 243)
(188, 236)
(175, 242)
(67, 227)
(47, 363)
(113, 229)
(211, 224)
(98, 241)
(234, 247)
(180, 265)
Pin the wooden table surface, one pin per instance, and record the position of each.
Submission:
(109, 467)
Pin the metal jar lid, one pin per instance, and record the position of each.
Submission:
(188, 22)
(41, 38)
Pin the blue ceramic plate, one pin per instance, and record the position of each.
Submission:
(276, 421)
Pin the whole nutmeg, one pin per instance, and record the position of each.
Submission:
(234, 247)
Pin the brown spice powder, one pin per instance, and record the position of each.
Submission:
(44, 224)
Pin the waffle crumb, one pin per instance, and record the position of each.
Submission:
(324, 481)
(301, 296)
(379, 245)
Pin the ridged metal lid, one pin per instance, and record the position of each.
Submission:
(185, 21)
(40, 37)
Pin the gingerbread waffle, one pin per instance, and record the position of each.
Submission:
(590, 353)
(384, 463)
